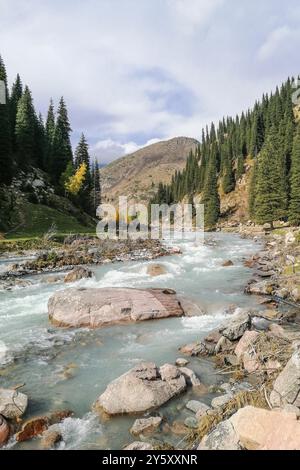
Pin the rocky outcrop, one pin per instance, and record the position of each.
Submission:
(4, 431)
(35, 426)
(255, 429)
(96, 308)
(78, 273)
(50, 438)
(143, 388)
(286, 388)
(13, 404)
(146, 426)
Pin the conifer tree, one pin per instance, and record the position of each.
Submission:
(96, 187)
(49, 139)
(294, 206)
(62, 149)
(39, 142)
(210, 196)
(228, 176)
(82, 157)
(25, 129)
(6, 164)
(16, 94)
(270, 197)
(240, 167)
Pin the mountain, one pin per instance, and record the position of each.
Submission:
(137, 175)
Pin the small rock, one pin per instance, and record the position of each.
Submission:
(78, 273)
(13, 404)
(50, 437)
(156, 270)
(178, 428)
(236, 326)
(138, 445)
(218, 402)
(145, 426)
(33, 428)
(194, 405)
(191, 422)
(181, 362)
(246, 341)
(190, 376)
(203, 410)
(227, 263)
(224, 345)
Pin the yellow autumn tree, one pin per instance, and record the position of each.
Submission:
(74, 184)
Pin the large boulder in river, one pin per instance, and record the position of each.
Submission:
(286, 388)
(13, 404)
(96, 308)
(143, 388)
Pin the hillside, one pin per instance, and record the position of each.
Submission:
(29, 207)
(138, 174)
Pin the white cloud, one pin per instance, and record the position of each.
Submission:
(193, 14)
(107, 150)
(276, 39)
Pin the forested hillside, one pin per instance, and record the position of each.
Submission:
(27, 144)
(266, 140)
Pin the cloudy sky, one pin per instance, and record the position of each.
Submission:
(135, 71)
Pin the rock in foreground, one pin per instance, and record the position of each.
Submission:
(96, 308)
(4, 431)
(255, 429)
(13, 404)
(143, 388)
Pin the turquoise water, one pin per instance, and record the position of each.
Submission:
(70, 368)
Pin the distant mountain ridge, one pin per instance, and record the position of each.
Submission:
(137, 175)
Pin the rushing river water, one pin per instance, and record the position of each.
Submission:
(69, 369)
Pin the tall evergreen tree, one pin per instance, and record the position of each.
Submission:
(62, 149)
(210, 197)
(15, 96)
(82, 156)
(6, 164)
(25, 129)
(82, 153)
(294, 206)
(228, 182)
(49, 139)
(39, 142)
(270, 197)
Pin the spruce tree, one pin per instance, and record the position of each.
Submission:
(210, 197)
(294, 206)
(228, 176)
(82, 156)
(6, 163)
(96, 187)
(270, 197)
(240, 167)
(25, 130)
(49, 139)
(16, 94)
(62, 149)
(39, 142)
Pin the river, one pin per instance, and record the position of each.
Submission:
(69, 369)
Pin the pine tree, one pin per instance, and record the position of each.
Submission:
(252, 190)
(270, 197)
(25, 130)
(82, 153)
(240, 167)
(82, 156)
(96, 187)
(257, 133)
(62, 149)
(49, 139)
(6, 163)
(228, 182)
(16, 94)
(210, 196)
(294, 206)
(39, 142)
